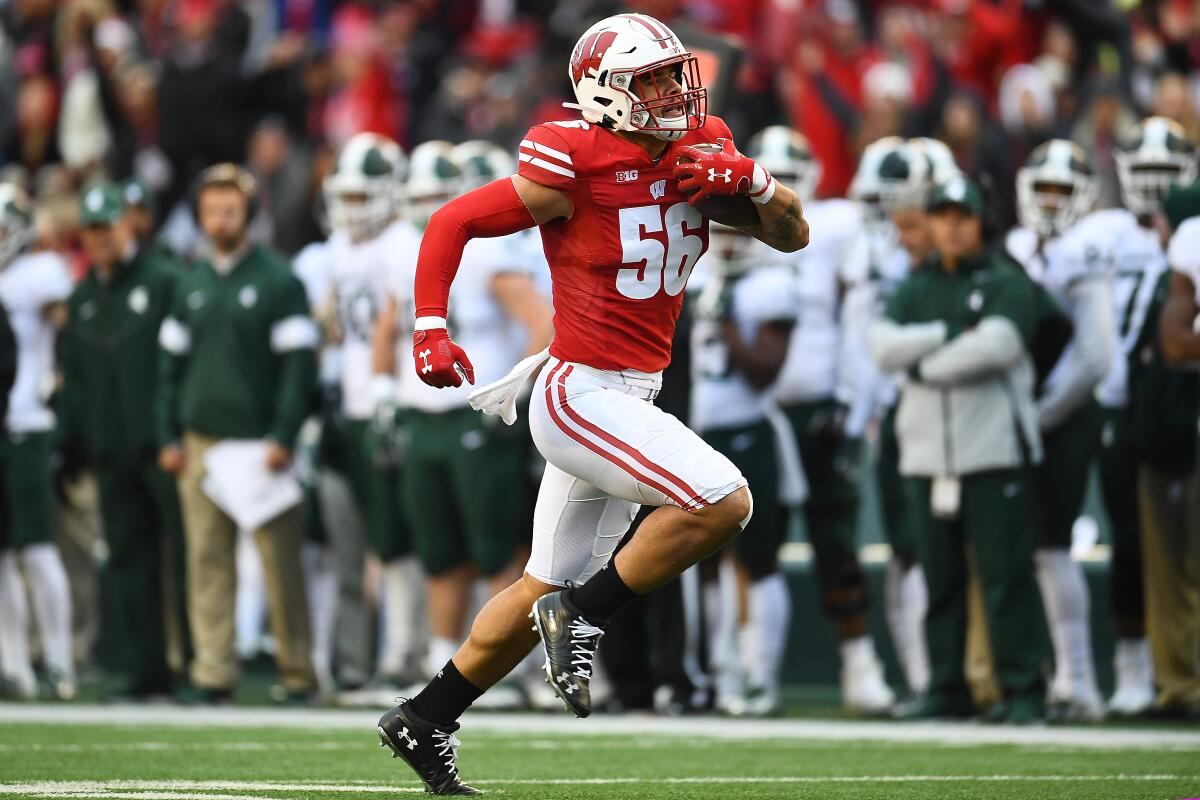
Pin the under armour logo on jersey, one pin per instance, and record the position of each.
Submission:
(658, 189)
(425, 354)
(726, 175)
(568, 686)
(409, 742)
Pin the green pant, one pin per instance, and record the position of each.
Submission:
(27, 500)
(995, 521)
(752, 450)
(896, 524)
(1062, 477)
(463, 491)
(142, 525)
(1119, 464)
(376, 491)
(831, 517)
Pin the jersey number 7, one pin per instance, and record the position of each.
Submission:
(661, 267)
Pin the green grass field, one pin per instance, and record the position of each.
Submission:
(178, 754)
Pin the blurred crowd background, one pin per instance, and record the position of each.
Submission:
(159, 89)
(149, 93)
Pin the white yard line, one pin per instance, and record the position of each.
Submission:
(533, 725)
(210, 790)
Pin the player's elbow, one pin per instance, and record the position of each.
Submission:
(798, 240)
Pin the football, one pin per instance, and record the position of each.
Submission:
(733, 210)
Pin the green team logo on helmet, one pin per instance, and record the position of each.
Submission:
(16, 221)
(785, 154)
(481, 163)
(1055, 188)
(434, 178)
(364, 193)
(1156, 156)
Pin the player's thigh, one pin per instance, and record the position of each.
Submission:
(1062, 477)
(891, 492)
(29, 487)
(487, 472)
(831, 510)
(624, 445)
(429, 500)
(752, 451)
(576, 528)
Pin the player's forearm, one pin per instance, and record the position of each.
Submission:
(1176, 333)
(781, 222)
(759, 363)
(492, 210)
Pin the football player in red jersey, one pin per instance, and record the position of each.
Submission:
(613, 194)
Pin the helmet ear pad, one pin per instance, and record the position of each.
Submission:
(226, 174)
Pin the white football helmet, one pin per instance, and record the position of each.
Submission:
(482, 162)
(1055, 188)
(363, 194)
(891, 175)
(433, 180)
(619, 52)
(785, 154)
(942, 166)
(16, 222)
(1157, 155)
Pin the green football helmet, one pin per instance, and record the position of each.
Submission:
(785, 154)
(482, 162)
(433, 179)
(1055, 188)
(364, 192)
(1157, 155)
(16, 222)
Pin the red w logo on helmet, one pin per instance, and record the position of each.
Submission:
(589, 53)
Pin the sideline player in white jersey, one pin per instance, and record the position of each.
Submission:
(34, 287)
(1070, 255)
(741, 329)
(823, 389)
(891, 185)
(369, 242)
(463, 495)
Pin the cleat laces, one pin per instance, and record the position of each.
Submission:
(584, 639)
(447, 745)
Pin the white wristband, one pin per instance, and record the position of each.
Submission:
(429, 323)
(762, 186)
(383, 388)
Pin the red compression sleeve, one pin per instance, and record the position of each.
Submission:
(492, 210)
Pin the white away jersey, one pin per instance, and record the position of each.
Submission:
(359, 278)
(1183, 252)
(27, 286)
(888, 266)
(721, 396)
(1138, 261)
(836, 257)
(477, 322)
(1083, 252)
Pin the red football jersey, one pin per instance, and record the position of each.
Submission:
(620, 264)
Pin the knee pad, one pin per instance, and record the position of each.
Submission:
(750, 513)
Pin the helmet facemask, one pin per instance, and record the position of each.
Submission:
(1048, 207)
(361, 207)
(1144, 183)
(732, 251)
(676, 107)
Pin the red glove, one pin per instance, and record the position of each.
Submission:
(725, 172)
(439, 361)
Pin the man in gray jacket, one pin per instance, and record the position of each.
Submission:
(961, 327)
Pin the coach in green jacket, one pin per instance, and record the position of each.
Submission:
(238, 363)
(961, 327)
(109, 360)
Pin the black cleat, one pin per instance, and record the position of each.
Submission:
(570, 643)
(428, 749)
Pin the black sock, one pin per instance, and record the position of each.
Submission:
(602, 596)
(446, 697)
